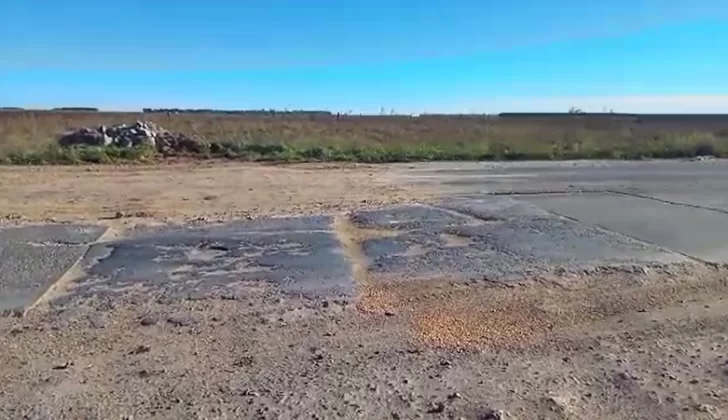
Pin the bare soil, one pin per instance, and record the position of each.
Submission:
(193, 190)
(605, 345)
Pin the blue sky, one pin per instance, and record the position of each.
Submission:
(408, 55)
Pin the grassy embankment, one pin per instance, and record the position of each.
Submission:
(29, 138)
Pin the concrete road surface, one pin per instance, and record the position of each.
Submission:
(496, 221)
(677, 205)
(587, 290)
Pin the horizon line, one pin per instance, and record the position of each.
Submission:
(575, 113)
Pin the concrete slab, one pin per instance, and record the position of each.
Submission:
(693, 231)
(195, 262)
(495, 208)
(32, 258)
(690, 195)
(695, 182)
(496, 238)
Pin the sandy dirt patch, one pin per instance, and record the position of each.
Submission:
(173, 192)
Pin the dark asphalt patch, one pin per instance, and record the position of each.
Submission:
(239, 227)
(507, 240)
(497, 238)
(32, 258)
(298, 255)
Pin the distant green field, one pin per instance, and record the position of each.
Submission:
(30, 136)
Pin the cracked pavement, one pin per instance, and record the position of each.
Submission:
(528, 290)
(500, 226)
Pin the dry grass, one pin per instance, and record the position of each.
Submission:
(391, 138)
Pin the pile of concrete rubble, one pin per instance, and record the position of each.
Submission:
(139, 134)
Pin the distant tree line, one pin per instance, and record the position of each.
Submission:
(321, 114)
(255, 112)
(458, 116)
(76, 109)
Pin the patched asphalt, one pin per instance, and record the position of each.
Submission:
(635, 215)
(297, 255)
(681, 205)
(494, 238)
(497, 239)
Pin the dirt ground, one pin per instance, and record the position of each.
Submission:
(608, 344)
(189, 190)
